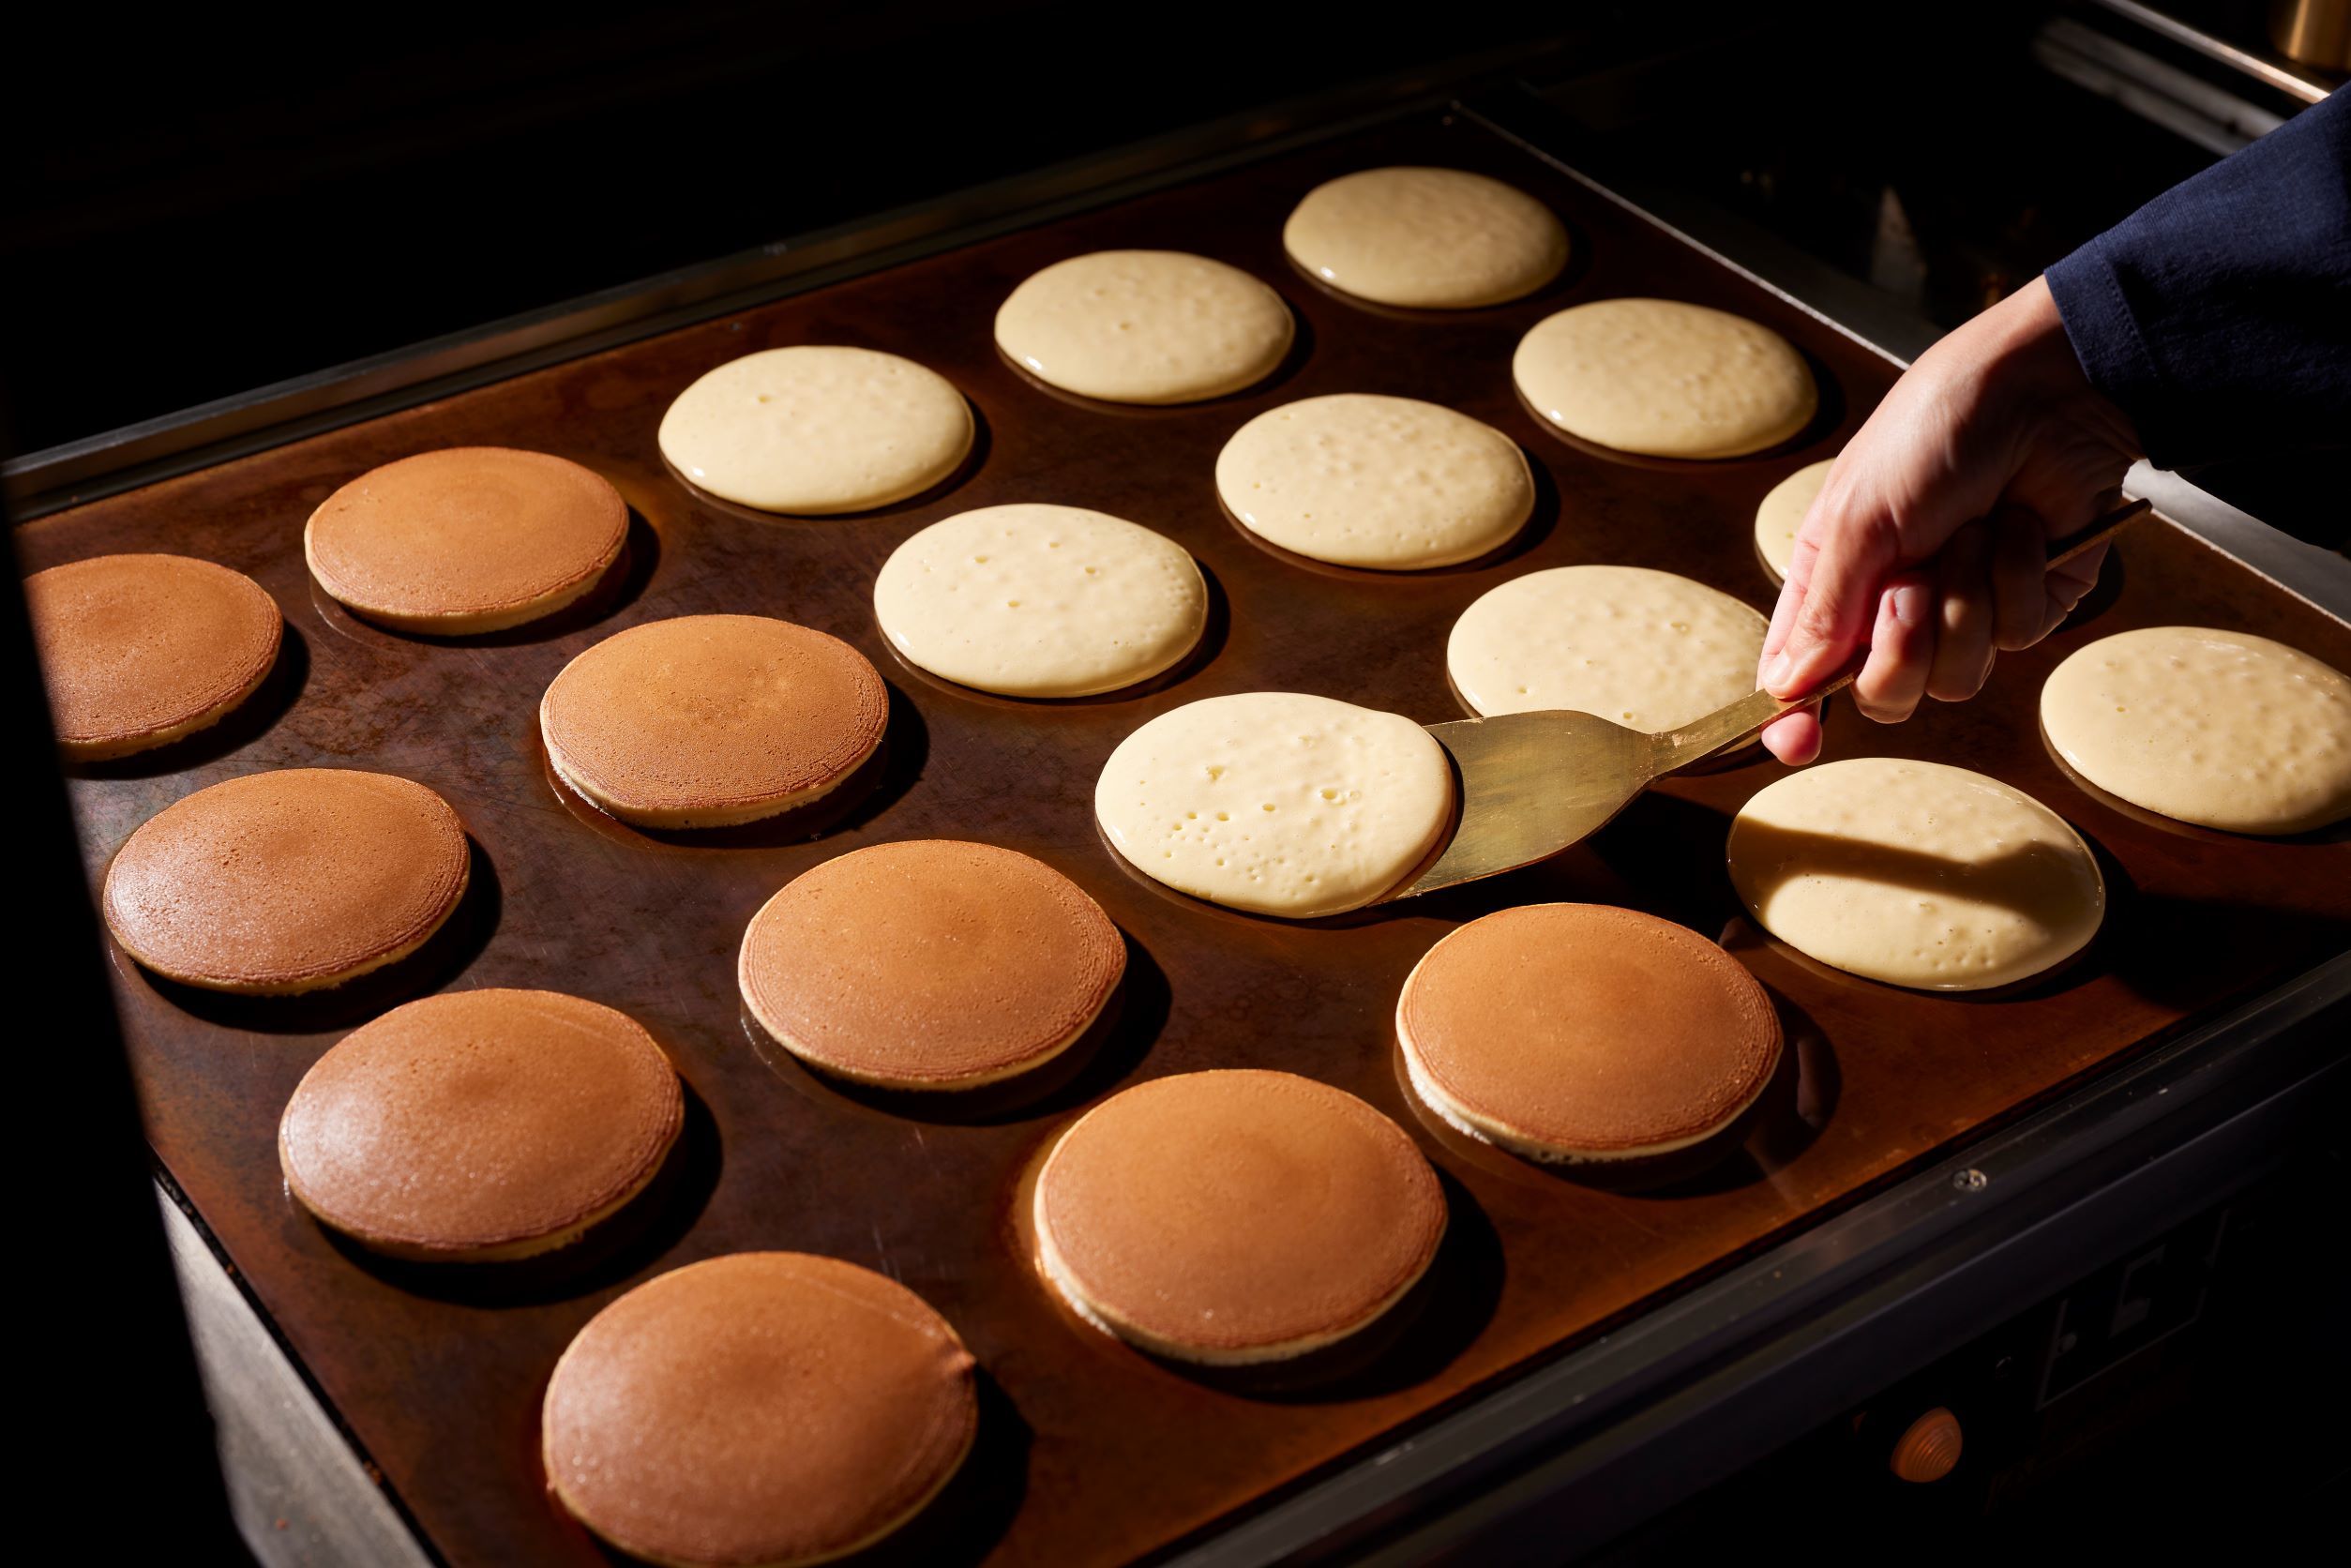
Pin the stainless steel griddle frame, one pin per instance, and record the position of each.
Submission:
(1590, 1444)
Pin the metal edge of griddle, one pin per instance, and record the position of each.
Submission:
(38, 483)
(1685, 1393)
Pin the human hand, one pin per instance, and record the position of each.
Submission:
(1927, 545)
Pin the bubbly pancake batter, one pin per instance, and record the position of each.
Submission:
(1666, 379)
(760, 1408)
(1387, 483)
(2217, 728)
(1574, 1033)
(1440, 239)
(1782, 514)
(1915, 873)
(1145, 326)
(1041, 601)
(815, 430)
(1647, 650)
(711, 720)
(480, 1125)
(929, 964)
(286, 882)
(1236, 1216)
(1275, 802)
(466, 540)
(140, 651)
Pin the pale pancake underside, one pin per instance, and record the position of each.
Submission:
(1388, 483)
(2222, 729)
(1145, 326)
(1276, 802)
(1915, 873)
(1666, 379)
(1425, 238)
(1645, 649)
(1034, 600)
(816, 430)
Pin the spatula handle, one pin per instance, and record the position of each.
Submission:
(1703, 737)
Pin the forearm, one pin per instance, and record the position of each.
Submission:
(2218, 317)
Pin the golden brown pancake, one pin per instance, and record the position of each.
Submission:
(1235, 1216)
(478, 1127)
(1583, 1032)
(286, 882)
(140, 651)
(710, 721)
(929, 964)
(764, 1408)
(467, 540)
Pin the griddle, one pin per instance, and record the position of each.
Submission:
(1090, 1452)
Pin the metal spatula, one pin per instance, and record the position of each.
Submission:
(1534, 783)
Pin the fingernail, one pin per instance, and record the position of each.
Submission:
(1775, 675)
(1910, 605)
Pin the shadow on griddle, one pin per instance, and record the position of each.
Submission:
(1217, 625)
(623, 1247)
(244, 723)
(445, 955)
(870, 789)
(2168, 949)
(1446, 1310)
(1111, 1050)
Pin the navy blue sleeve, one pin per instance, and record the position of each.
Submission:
(2218, 316)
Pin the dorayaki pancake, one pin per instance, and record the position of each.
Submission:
(1145, 326)
(1781, 513)
(2222, 729)
(815, 430)
(286, 882)
(1034, 600)
(1586, 1033)
(929, 964)
(1915, 873)
(139, 651)
(1664, 377)
(1235, 1216)
(466, 540)
(762, 1408)
(710, 721)
(1391, 484)
(1276, 802)
(476, 1126)
(1439, 239)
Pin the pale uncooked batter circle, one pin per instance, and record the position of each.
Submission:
(1666, 379)
(1647, 650)
(2218, 727)
(1275, 802)
(1145, 326)
(1441, 239)
(1915, 873)
(1782, 514)
(1389, 482)
(814, 429)
(1033, 600)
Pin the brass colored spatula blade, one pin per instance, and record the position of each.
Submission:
(1532, 784)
